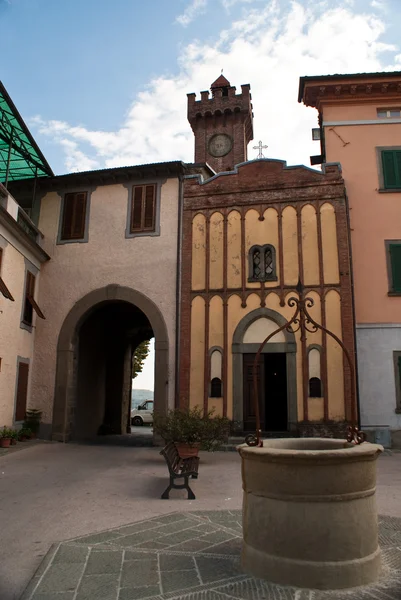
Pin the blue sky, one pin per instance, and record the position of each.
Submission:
(104, 83)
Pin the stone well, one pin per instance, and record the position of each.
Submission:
(309, 512)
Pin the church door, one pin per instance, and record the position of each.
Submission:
(272, 386)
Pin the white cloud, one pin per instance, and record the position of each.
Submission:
(195, 8)
(270, 48)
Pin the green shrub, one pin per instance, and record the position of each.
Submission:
(33, 418)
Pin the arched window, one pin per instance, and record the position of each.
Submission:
(262, 263)
(215, 388)
(315, 387)
(216, 368)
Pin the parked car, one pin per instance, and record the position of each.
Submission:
(143, 413)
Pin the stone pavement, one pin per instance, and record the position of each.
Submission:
(185, 556)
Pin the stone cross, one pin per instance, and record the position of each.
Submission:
(260, 147)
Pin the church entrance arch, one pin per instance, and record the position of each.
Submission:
(94, 352)
(277, 372)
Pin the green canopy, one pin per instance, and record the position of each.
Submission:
(20, 157)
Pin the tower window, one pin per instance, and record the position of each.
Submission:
(262, 263)
(315, 387)
(215, 388)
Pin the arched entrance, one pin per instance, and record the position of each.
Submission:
(93, 373)
(277, 372)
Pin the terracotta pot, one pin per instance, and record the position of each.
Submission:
(5, 442)
(13, 441)
(186, 451)
(23, 438)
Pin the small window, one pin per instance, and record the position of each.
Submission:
(29, 303)
(215, 388)
(22, 391)
(74, 216)
(394, 265)
(315, 387)
(397, 373)
(3, 288)
(391, 163)
(143, 208)
(262, 263)
(388, 113)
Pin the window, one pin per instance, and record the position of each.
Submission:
(394, 266)
(262, 263)
(397, 372)
(22, 390)
(143, 208)
(388, 113)
(73, 223)
(29, 303)
(391, 165)
(315, 387)
(215, 388)
(3, 288)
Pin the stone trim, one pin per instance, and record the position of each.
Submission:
(67, 346)
(62, 193)
(289, 347)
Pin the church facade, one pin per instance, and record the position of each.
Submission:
(252, 234)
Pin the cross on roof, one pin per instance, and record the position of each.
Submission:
(260, 147)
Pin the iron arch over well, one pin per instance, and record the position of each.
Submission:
(65, 385)
(239, 348)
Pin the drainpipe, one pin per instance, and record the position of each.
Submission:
(353, 308)
(178, 290)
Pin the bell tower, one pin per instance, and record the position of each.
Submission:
(222, 124)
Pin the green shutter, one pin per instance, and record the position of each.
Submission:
(399, 371)
(395, 257)
(391, 161)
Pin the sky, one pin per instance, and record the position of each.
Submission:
(104, 84)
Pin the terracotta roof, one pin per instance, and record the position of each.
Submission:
(220, 82)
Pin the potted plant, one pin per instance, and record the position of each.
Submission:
(191, 430)
(32, 421)
(24, 434)
(5, 437)
(14, 436)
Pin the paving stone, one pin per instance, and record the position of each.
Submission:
(179, 580)
(97, 538)
(175, 526)
(98, 587)
(172, 518)
(136, 538)
(47, 559)
(136, 593)
(70, 554)
(50, 596)
(191, 546)
(138, 555)
(103, 561)
(257, 589)
(140, 573)
(153, 545)
(27, 594)
(216, 568)
(176, 538)
(172, 562)
(137, 527)
(216, 537)
(232, 547)
(61, 578)
(205, 528)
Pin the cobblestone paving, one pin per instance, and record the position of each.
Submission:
(184, 556)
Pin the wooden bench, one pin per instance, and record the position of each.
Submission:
(179, 468)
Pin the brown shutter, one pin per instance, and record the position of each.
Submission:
(149, 221)
(74, 216)
(3, 288)
(22, 391)
(136, 208)
(29, 291)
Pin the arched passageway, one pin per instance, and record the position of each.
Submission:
(94, 353)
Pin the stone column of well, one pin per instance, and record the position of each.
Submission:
(309, 512)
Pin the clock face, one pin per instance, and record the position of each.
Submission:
(220, 144)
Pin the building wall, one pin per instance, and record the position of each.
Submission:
(146, 264)
(223, 218)
(14, 341)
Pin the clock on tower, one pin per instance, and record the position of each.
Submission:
(222, 124)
